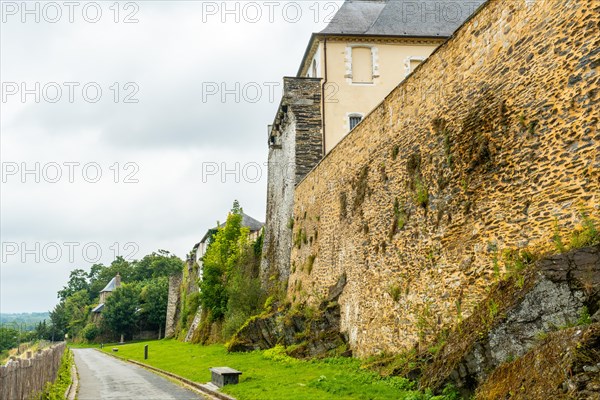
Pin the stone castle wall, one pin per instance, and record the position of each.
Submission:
(295, 147)
(181, 285)
(173, 305)
(489, 145)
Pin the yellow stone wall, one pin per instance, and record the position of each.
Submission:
(500, 128)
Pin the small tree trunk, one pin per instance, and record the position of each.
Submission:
(159, 331)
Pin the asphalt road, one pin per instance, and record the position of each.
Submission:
(104, 377)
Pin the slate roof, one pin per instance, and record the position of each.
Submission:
(423, 18)
(112, 285)
(98, 308)
(355, 17)
(250, 223)
(247, 221)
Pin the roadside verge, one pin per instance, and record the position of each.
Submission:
(73, 388)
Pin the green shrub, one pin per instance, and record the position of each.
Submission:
(90, 332)
(245, 298)
(190, 306)
(557, 239)
(279, 354)
(395, 291)
(515, 261)
(588, 235)
(269, 302)
(399, 220)
(422, 193)
(584, 317)
(298, 238)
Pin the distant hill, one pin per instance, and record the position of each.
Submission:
(29, 320)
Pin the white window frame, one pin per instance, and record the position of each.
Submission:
(374, 63)
(354, 115)
(315, 60)
(407, 70)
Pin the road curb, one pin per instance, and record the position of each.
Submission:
(202, 387)
(71, 393)
(198, 386)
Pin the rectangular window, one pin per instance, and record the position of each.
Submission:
(354, 120)
(362, 65)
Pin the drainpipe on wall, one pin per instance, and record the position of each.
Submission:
(323, 93)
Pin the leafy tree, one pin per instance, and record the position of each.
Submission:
(46, 331)
(78, 309)
(244, 292)
(95, 271)
(157, 265)
(9, 338)
(42, 330)
(95, 280)
(60, 319)
(123, 267)
(245, 298)
(221, 257)
(120, 310)
(78, 280)
(213, 295)
(147, 278)
(230, 288)
(154, 297)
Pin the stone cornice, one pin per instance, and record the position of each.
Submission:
(317, 38)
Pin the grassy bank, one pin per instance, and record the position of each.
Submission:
(57, 389)
(273, 375)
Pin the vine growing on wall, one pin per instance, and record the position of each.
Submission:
(230, 290)
(416, 182)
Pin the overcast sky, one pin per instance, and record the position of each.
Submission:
(114, 130)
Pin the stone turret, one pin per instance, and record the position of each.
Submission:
(295, 148)
(107, 291)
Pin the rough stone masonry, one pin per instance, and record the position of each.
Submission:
(491, 144)
(295, 147)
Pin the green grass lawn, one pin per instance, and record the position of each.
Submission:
(271, 374)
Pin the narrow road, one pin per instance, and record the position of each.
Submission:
(106, 378)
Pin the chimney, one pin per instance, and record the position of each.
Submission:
(118, 280)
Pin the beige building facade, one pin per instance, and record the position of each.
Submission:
(368, 48)
(358, 72)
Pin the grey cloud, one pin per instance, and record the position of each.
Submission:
(169, 133)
